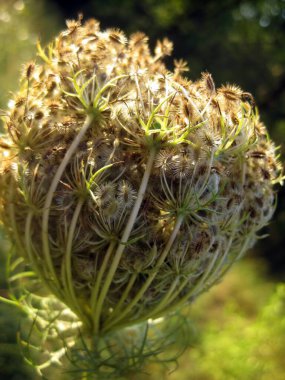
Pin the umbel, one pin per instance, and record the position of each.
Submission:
(126, 187)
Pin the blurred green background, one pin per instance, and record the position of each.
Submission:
(239, 326)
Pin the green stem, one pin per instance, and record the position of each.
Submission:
(200, 283)
(216, 275)
(11, 211)
(211, 281)
(125, 293)
(95, 290)
(125, 237)
(166, 300)
(151, 277)
(32, 258)
(70, 292)
(28, 251)
(221, 261)
(173, 306)
(194, 290)
(50, 195)
(9, 302)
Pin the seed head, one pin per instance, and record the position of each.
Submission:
(29, 70)
(127, 188)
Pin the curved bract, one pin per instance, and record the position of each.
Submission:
(128, 188)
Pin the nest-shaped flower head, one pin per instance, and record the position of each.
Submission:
(129, 189)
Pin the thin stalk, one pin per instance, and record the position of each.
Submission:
(125, 237)
(164, 303)
(220, 262)
(126, 292)
(180, 302)
(204, 277)
(151, 277)
(70, 292)
(165, 300)
(19, 243)
(11, 211)
(219, 265)
(50, 195)
(29, 248)
(175, 305)
(178, 291)
(171, 307)
(226, 269)
(185, 298)
(95, 290)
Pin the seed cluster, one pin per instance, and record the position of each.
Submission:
(128, 188)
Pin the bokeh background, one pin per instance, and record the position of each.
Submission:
(239, 326)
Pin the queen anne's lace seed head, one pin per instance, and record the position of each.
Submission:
(129, 189)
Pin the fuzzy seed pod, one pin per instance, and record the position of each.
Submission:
(128, 189)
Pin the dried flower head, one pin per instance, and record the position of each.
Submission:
(127, 188)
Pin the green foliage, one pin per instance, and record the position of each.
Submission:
(241, 336)
(129, 352)
(12, 365)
